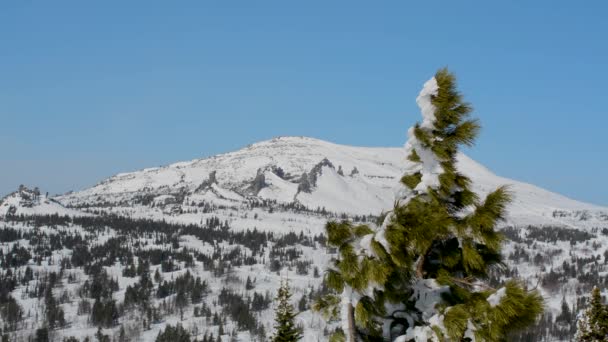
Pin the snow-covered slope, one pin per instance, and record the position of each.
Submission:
(290, 184)
(30, 202)
(317, 174)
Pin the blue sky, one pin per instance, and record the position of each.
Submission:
(90, 89)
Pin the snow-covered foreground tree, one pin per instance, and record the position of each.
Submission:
(420, 275)
(593, 322)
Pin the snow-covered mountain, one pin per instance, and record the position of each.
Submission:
(317, 174)
(227, 221)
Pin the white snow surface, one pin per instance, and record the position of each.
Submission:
(495, 298)
(427, 293)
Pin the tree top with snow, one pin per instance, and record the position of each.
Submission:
(419, 276)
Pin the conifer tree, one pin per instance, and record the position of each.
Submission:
(593, 323)
(11, 312)
(42, 335)
(419, 275)
(173, 334)
(285, 328)
(54, 313)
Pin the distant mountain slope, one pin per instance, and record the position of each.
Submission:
(31, 202)
(317, 174)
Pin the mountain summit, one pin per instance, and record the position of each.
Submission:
(314, 174)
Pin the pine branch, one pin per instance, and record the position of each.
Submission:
(535, 286)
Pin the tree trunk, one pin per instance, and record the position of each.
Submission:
(348, 315)
(419, 266)
(350, 334)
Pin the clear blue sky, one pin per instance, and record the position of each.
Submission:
(89, 89)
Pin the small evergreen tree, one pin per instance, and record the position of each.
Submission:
(249, 284)
(420, 274)
(285, 328)
(42, 335)
(101, 337)
(122, 335)
(11, 312)
(303, 303)
(104, 313)
(174, 334)
(54, 313)
(593, 322)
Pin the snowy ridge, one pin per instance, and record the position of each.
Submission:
(360, 180)
(30, 202)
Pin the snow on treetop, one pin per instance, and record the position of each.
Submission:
(423, 100)
(430, 168)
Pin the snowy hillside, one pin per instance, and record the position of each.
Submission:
(204, 244)
(316, 173)
(31, 202)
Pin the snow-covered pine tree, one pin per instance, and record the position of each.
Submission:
(593, 322)
(419, 276)
(285, 328)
